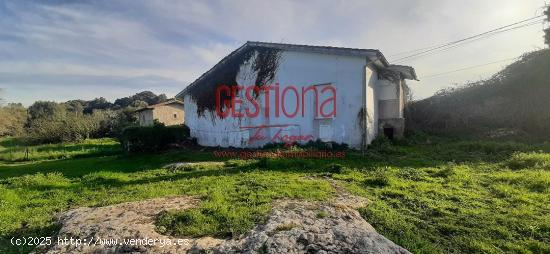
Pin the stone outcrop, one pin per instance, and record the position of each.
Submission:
(292, 227)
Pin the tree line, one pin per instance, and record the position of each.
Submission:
(53, 122)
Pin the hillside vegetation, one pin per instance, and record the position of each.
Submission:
(46, 122)
(514, 101)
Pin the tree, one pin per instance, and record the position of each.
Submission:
(97, 103)
(138, 104)
(45, 110)
(123, 102)
(13, 118)
(161, 98)
(148, 97)
(75, 106)
(50, 122)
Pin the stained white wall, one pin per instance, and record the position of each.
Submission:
(373, 93)
(388, 90)
(391, 97)
(347, 74)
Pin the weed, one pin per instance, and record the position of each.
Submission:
(378, 178)
(335, 168)
(322, 214)
(529, 160)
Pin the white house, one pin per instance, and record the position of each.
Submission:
(272, 92)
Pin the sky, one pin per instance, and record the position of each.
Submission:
(63, 50)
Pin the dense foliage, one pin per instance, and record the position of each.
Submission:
(52, 122)
(12, 120)
(153, 138)
(514, 101)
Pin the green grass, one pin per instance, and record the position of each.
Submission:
(234, 205)
(444, 197)
(14, 150)
(322, 214)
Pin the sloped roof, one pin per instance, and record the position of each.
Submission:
(168, 102)
(407, 72)
(374, 55)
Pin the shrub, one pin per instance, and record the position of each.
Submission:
(322, 214)
(529, 160)
(313, 145)
(381, 142)
(152, 138)
(511, 104)
(446, 171)
(12, 120)
(378, 178)
(66, 127)
(320, 145)
(335, 168)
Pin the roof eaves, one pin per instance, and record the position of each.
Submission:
(316, 49)
(151, 107)
(402, 68)
(373, 55)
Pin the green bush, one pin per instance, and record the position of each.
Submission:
(529, 160)
(313, 145)
(152, 138)
(335, 168)
(377, 178)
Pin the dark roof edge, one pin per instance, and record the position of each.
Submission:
(374, 55)
(407, 72)
(168, 102)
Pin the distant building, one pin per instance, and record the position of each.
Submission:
(169, 113)
(361, 93)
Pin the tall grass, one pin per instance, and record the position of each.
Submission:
(12, 150)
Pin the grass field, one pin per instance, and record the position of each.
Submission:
(437, 197)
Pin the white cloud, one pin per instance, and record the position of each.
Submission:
(179, 40)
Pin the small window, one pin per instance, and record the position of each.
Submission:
(175, 115)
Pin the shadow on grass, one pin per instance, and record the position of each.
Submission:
(404, 156)
(12, 142)
(78, 167)
(15, 153)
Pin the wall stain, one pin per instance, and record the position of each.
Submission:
(203, 92)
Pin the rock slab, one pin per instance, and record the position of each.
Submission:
(293, 227)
